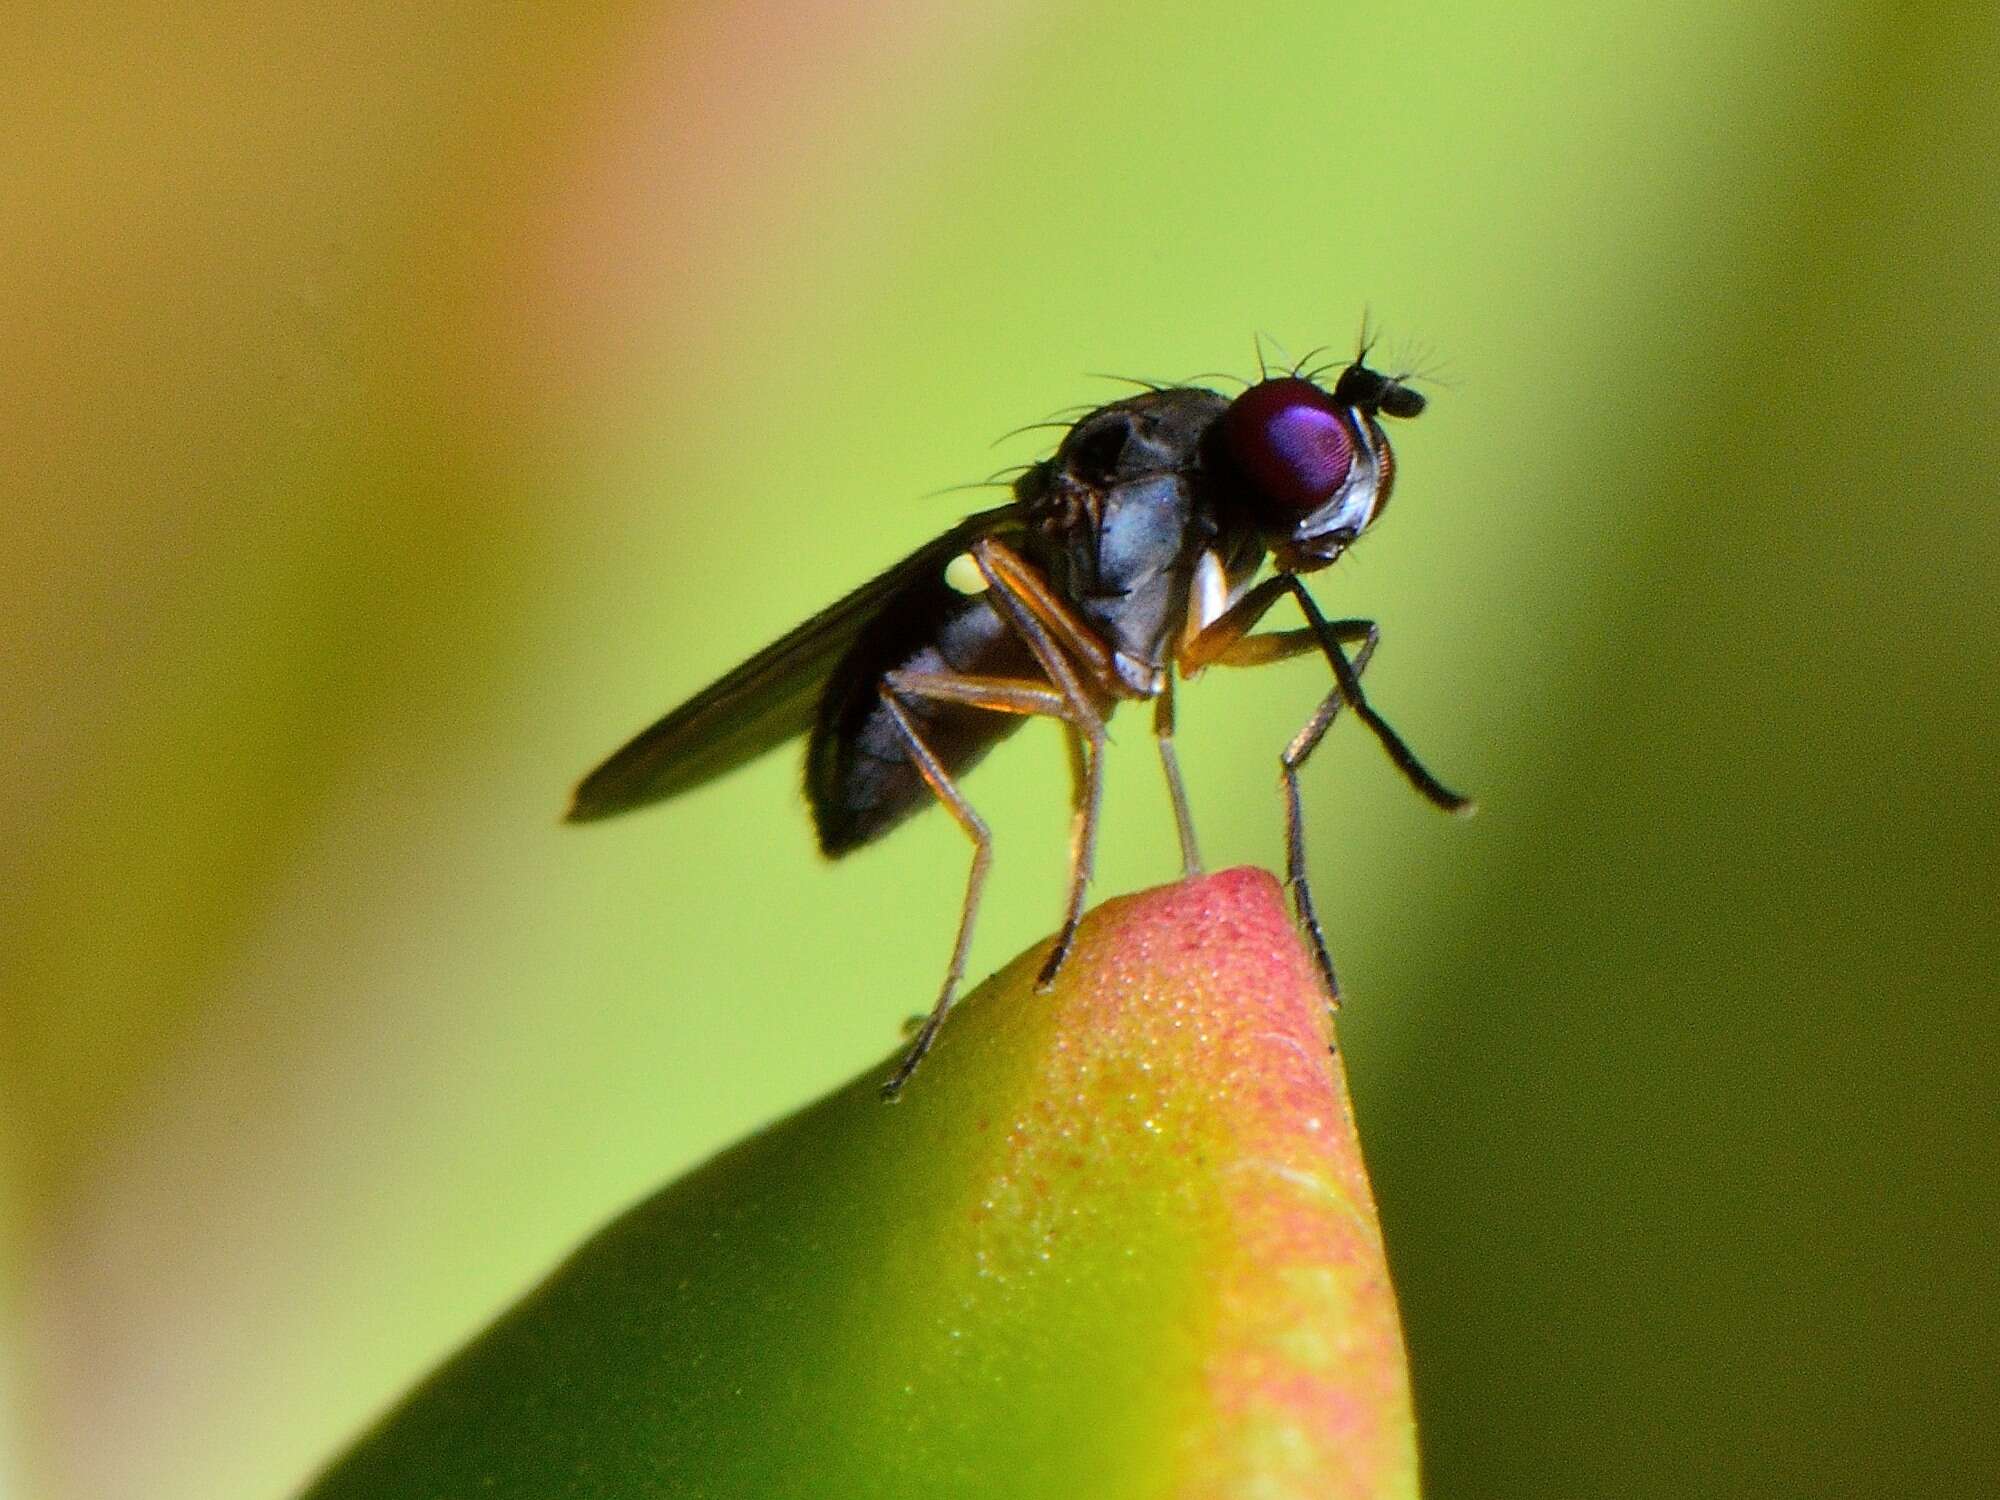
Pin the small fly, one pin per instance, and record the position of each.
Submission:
(1128, 557)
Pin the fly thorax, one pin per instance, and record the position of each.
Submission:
(1142, 548)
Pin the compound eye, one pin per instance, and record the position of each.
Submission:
(1291, 442)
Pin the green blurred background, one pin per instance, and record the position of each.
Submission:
(399, 405)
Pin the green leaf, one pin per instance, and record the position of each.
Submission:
(1115, 1240)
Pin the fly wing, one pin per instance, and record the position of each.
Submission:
(769, 699)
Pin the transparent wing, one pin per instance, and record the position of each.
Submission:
(769, 699)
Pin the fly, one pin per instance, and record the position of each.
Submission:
(1129, 557)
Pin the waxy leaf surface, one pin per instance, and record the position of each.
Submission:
(1114, 1240)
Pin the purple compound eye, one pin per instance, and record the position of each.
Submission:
(1291, 441)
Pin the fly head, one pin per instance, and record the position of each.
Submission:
(1312, 468)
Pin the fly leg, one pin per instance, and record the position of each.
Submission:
(1255, 650)
(1302, 746)
(1428, 786)
(1086, 782)
(1163, 735)
(1086, 770)
(1080, 666)
(1228, 642)
(975, 828)
(898, 691)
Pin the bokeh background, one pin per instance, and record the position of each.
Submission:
(401, 404)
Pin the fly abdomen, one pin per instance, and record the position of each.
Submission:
(860, 778)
